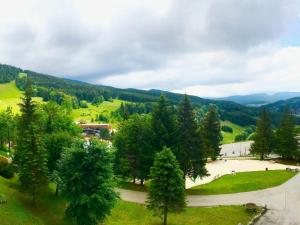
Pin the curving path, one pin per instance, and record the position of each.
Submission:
(283, 201)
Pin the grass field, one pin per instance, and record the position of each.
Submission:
(50, 211)
(90, 113)
(243, 182)
(10, 96)
(229, 137)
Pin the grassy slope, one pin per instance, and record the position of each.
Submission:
(50, 211)
(10, 96)
(242, 182)
(229, 137)
(90, 113)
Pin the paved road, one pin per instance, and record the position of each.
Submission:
(283, 201)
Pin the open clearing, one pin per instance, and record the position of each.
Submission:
(229, 137)
(10, 96)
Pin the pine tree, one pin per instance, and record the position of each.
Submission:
(211, 133)
(263, 138)
(87, 182)
(166, 191)
(31, 156)
(189, 151)
(163, 124)
(135, 153)
(286, 141)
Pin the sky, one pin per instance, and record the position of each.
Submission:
(208, 48)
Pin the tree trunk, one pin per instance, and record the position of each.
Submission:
(262, 156)
(134, 180)
(34, 197)
(142, 182)
(56, 190)
(165, 215)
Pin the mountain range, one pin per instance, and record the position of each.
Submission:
(260, 98)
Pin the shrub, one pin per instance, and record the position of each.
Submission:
(6, 169)
(226, 129)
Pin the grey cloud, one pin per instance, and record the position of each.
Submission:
(141, 40)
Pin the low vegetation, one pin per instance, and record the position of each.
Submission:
(18, 210)
(243, 182)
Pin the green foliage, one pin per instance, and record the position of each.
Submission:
(7, 128)
(87, 178)
(31, 156)
(264, 137)
(286, 137)
(189, 150)
(226, 129)
(166, 191)
(6, 168)
(163, 124)
(211, 133)
(83, 104)
(98, 100)
(134, 143)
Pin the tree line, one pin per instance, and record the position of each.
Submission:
(283, 140)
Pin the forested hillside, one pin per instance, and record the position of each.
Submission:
(50, 87)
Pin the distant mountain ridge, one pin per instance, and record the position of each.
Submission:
(260, 98)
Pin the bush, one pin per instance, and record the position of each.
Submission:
(2, 199)
(6, 169)
(226, 129)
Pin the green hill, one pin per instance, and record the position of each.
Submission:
(10, 96)
(46, 85)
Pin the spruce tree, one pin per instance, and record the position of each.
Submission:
(31, 156)
(286, 141)
(264, 137)
(210, 133)
(166, 191)
(135, 153)
(87, 182)
(189, 151)
(163, 124)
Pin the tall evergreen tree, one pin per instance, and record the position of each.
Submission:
(166, 191)
(163, 124)
(135, 153)
(286, 141)
(31, 156)
(189, 151)
(210, 133)
(264, 137)
(87, 182)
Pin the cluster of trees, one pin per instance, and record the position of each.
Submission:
(7, 129)
(140, 137)
(49, 148)
(283, 141)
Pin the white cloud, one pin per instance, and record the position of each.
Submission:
(199, 46)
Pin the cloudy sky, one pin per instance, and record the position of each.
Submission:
(201, 47)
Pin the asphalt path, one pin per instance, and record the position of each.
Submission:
(282, 201)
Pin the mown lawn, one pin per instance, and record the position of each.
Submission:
(50, 211)
(243, 182)
(229, 137)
